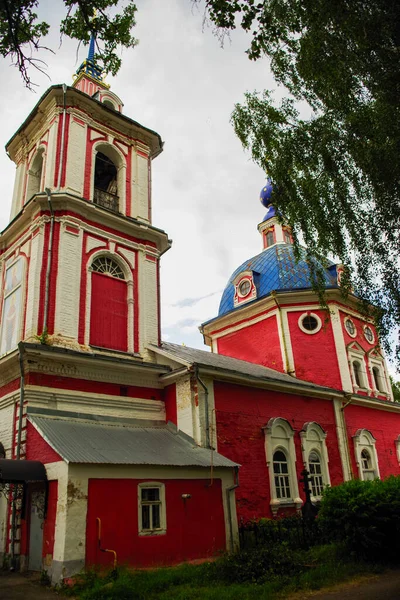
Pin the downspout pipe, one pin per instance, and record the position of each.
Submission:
(49, 261)
(229, 505)
(17, 451)
(207, 416)
(349, 399)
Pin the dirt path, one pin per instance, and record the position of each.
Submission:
(21, 586)
(376, 587)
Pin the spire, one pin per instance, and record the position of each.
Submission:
(91, 48)
(88, 77)
(272, 230)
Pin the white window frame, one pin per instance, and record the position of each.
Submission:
(356, 355)
(238, 298)
(309, 331)
(163, 514)
(313, 438)
(397, 444)
(279, 435)
(10, 263)
(364, 440)
(378, 363)
(349, 319)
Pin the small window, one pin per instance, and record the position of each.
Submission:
(244, 288)
(269, 239)
(378, 380)
(369, 334)
(152, 519)
(287, 237)
(310, 323)
(315, 469)
(358, 377)
(281, 475)
(350, 327)
(109, 104)
(366, 466)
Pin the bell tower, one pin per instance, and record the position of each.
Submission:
(81, 241)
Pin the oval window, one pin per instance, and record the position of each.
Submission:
(350, 327)
(369, 334)
(244, 288)
(310, 323)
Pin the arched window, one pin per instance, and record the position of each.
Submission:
(109, 306)
(315, 457)
(281, 475)
(281, 460)
(106, 190)
(315, 470)
(366, 456)
(10, 332)
(269, 239)
(34, 184)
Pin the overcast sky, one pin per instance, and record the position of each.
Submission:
(179, 82)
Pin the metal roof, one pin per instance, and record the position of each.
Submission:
(78, 441)
(276, 269)
(235, 365)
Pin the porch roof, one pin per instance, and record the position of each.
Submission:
(81, 441)
(21, 471)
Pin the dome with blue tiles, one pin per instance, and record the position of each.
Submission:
(275, 269)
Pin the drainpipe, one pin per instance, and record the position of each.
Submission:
(17, 452)
(285, 352)
(228, 500)
(48, 270)
(207, 418)
(346, 437)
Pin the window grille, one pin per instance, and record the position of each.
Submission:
(315, 469)
(107, 266)
(281, 475)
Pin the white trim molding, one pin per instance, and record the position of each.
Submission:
(279, 437)
(366, 456)
(313, 440)
(153, 529)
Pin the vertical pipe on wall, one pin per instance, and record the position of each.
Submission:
(207, 417)
(229, 506)
(17, 452)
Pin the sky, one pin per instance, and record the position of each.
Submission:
(179, 82)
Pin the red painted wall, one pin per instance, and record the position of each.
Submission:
(98, 387)
(49, 525)
(241, 412)
(258, 343)
(109, 313)
(195, 527)
(314, 355)
(37, 448)
(384, 426)
(170, 404)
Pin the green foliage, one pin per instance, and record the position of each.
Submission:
(21, 33)
(336, 174)
(395, 389)
(243, 575)
(365, 516)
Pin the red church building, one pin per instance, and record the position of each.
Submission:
(117, 448)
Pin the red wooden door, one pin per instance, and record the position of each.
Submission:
(109, 313)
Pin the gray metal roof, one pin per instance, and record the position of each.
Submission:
(80, 441)
(235, 365)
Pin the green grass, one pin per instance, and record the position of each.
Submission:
(319, 567)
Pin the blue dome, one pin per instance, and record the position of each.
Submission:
(275, 269)
(266, 192)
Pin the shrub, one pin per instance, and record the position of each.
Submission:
(365, 515)
(258, 565)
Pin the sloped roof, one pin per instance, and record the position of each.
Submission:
(276, 269)
(79, 441)
(235, 365)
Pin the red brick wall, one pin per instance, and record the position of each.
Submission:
(258, 343)
(314, 355)
(37, 448)
(384, 426)
(195, 527)
(241, 412)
